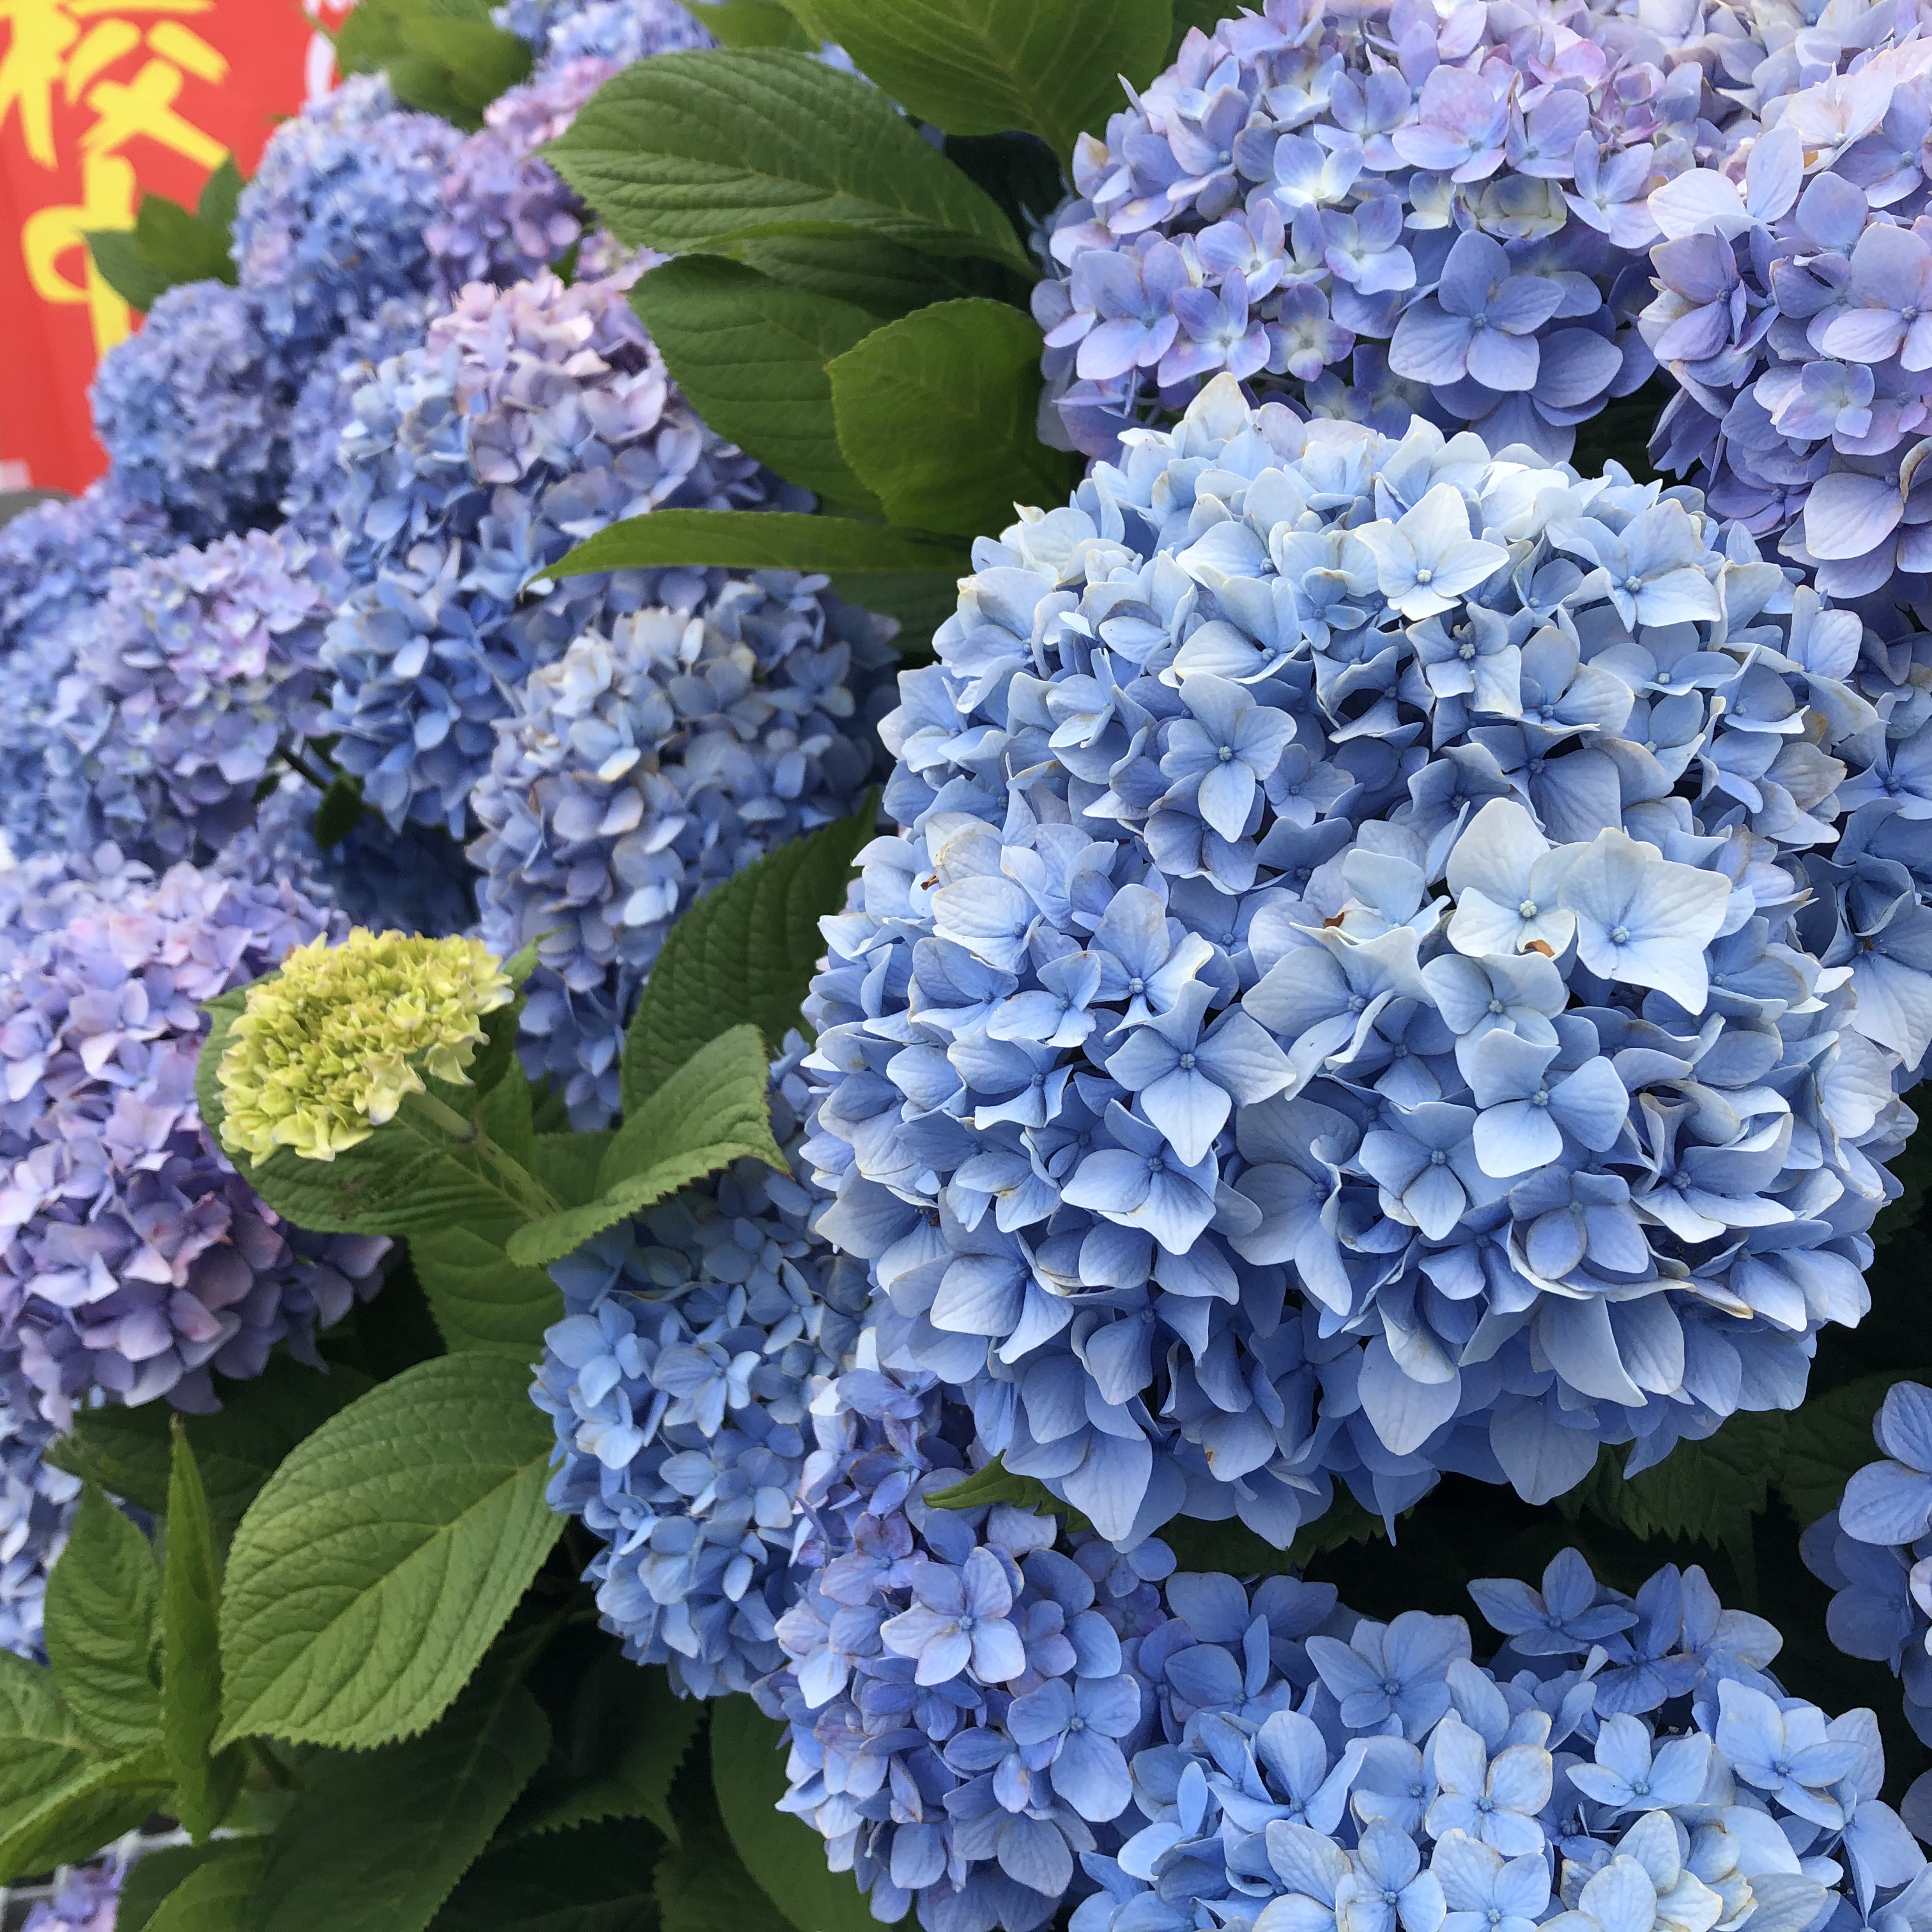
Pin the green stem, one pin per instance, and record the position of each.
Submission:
(296, 762)
(531, 1196)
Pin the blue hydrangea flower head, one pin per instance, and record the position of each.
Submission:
(1377, 216)
(196, 670)
(87, 1898)
(642, 768)
(332, 223)
(193, 412)
(530, 418)
(135, 1262)
(618, 32)
(1875, 1551)
(694, 1343)
(57, 558)
(37, 1505)
(1259, 1059)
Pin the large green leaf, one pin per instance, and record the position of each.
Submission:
(979, 67)
(370, 1575)
(784, 1853)
(614, 1754)
(713, 1111)
(205, 1786)
(751, 23)
(750, 354)
(482, 1300)
(55, 1787)
(690, 152)
(443, 56)
(744, 953)
(700, 1882)
(378, 1843)
(103, 1626)
(913, 577)
(1827, 1439)
(154, 1875)
(596, 1878)
(936, 411)
(886, 279)
(126, 1451)
(218, 1895)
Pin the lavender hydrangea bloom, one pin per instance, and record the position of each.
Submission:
(332, 225)
(1261, 1060)
(644, 767)
(193, 412)
(1789, 294)
(1378, 216)
(529, 419)
(1875, 1550)
(55, 559)
(86, 1899)
(197, 669)
(135, 1261)
(694, 1343)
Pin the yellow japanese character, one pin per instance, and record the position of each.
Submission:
(146, 106)
(107, 201)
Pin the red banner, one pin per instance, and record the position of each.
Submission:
(100, 100)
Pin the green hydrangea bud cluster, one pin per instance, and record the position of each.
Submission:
(329, 1049)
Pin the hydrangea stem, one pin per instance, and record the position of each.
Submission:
(523, 1187)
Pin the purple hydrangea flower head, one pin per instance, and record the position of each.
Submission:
(694, 1344)
(1373, 214)
(195, 670)
(135, 1262)
(332, 224)
(85, 1899)
(193, 412)
(1257, 1061)
(56, 558)
(530, 418)
(644, 767)
(37, 1505)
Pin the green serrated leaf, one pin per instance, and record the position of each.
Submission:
(567, 1164)
(71, 1820)
(205, 1786)
(505, 1114)
(979, 67)
(714, 1111)
(102, 1631)
(690, 152)
(750, 354)
(118, 259)
(178, 244)
(936, 412)
(153, 1876)
(751, 23)
(743, 955)
(218, 1895)
(1828, 1439)
(483, 1301)
(370, 1575)
(40, 1750)
(700, 1882)
(220, 195)
(886, 279)
(126, 1451)
(894, 570)
(615, 1754)
(379, 1842)
(782, 1853)
(596, 1878)
(481, 59)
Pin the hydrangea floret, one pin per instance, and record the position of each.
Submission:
(988, 1716)
(646, 765)
(694, 1343)
(1379, 213)
(133, 1261)
(327, 1049)
(1371, 981)
(531, 418)
(1875, 1550)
